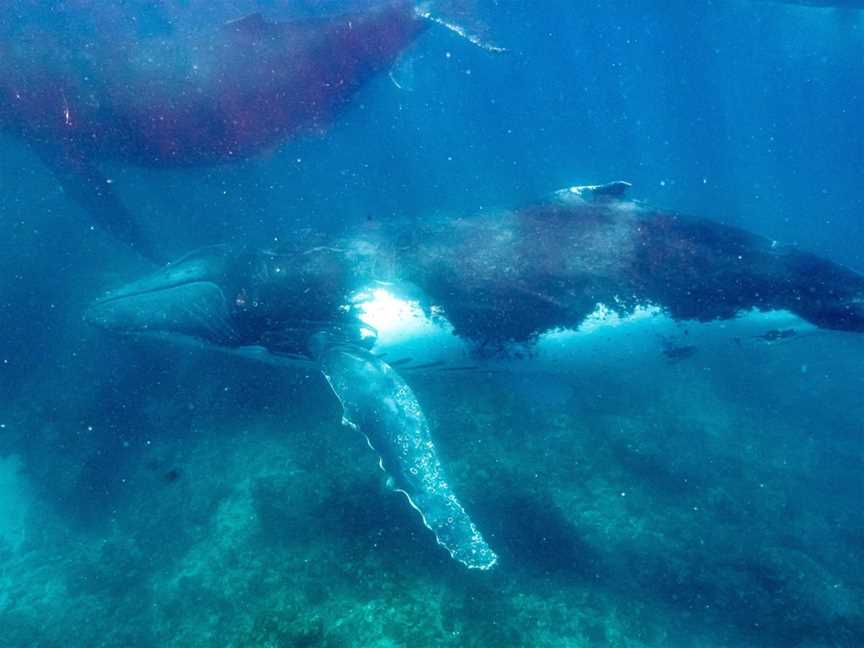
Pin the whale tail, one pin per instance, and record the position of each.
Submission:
(459, 17)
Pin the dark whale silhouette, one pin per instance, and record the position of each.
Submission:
(188, 97)
(497, 279)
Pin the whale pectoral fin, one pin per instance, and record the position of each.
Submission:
(253, 23)
(380, 404)
(88, 187)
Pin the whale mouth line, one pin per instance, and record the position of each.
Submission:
(121, 293)
(194, 308)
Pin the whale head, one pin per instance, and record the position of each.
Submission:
(184, 298)
(232, 298)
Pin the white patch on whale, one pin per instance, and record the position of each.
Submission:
(408, 331)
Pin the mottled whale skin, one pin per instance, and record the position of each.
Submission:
(188, 97)
(498, 279)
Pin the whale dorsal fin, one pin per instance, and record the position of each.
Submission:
(607, 192)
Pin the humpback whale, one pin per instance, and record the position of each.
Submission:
(87, 93)
(489, 282)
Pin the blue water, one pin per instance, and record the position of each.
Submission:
(156, 496)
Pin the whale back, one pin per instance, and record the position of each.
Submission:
(513, 276)
(194, 96)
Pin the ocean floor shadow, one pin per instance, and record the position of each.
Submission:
(99, 486)
(660, 474)
(531, 533)
(361, 520)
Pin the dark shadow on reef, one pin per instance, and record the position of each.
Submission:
(532, 535)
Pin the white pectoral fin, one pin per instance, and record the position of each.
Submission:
(381, 405)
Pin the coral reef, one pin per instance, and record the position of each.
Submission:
(709, 502)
